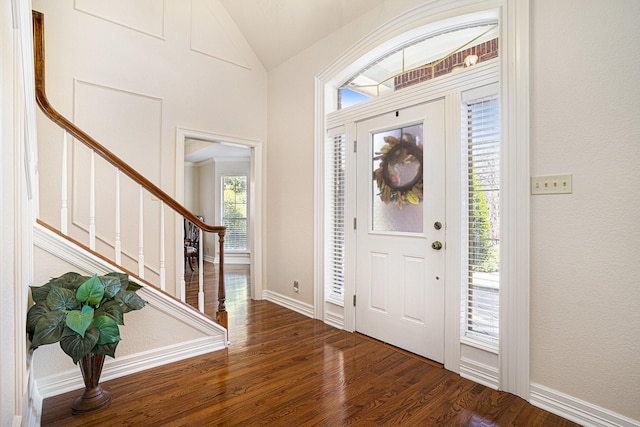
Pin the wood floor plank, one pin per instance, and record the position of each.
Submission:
(284, 369)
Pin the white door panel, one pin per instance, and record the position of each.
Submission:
(399, 276)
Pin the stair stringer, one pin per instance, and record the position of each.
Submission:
(204, 335)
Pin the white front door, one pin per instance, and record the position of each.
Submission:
(400, 227)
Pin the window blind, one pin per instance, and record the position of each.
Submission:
(483, 192)
(234, 212)
(336, 216)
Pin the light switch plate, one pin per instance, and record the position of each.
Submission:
(552, 184)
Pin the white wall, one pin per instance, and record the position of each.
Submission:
(208, 193)
(585, 269)
(129, 73)
(192, 187)
(585, 261)
(290, 154)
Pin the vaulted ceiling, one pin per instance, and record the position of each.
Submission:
(279, 29)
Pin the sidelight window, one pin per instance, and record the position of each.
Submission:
(335, 221)
(482, 147)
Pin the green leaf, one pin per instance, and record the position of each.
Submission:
(91, 291)
(78, 321)
(48, 329)
(112, 286)
(109, 331)
(78, 346)
(129, 301)
(62, 299)
(34, 314)
(112, 309)
(68, 280)
(133, 286)
(40, 293)
(106, 349)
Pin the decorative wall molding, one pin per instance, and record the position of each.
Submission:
(129, 106)
(290, 303)
(210, 22)
(143, 16)
(575, 409)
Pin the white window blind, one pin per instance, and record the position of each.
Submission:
(483, 218)
(335, 216)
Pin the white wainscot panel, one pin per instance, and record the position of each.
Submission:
(145, 16)
(214, 33)
(130, 125)
(479, 365)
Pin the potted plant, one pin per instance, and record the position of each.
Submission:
(83, 314)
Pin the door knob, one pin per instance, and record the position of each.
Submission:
(436, 245)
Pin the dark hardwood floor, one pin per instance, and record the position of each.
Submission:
(284, 369)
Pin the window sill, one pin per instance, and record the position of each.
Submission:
(335, 299)
(481, 345)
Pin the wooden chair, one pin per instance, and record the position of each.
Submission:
(191, 242)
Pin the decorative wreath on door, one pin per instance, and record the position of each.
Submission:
(399, 174)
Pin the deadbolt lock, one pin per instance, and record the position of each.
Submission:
(437, 225)
(436, 245)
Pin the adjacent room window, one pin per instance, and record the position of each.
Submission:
(482, 146)
(234, 212)
(335, 216)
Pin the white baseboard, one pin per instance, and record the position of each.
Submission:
(479, 372)
(240, 259)
(32, 408)
(576, 410)
(115, 368)
(290, 303)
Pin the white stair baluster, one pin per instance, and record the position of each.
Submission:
(92, 202)
(162, 254)
(64, 218)
(141, 235)
(118, 243)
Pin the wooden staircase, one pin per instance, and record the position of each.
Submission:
(168, 329)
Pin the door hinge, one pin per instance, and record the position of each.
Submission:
(355, 146)
(354, 300)
(355, 223)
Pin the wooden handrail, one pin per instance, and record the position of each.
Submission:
(80, 135)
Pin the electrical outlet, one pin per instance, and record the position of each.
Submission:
(296, 286)
(552, 184)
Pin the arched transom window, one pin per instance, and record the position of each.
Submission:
(426, 57)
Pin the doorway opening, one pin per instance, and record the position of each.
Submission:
(217, 156)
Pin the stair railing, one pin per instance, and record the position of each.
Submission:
(122, 167)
